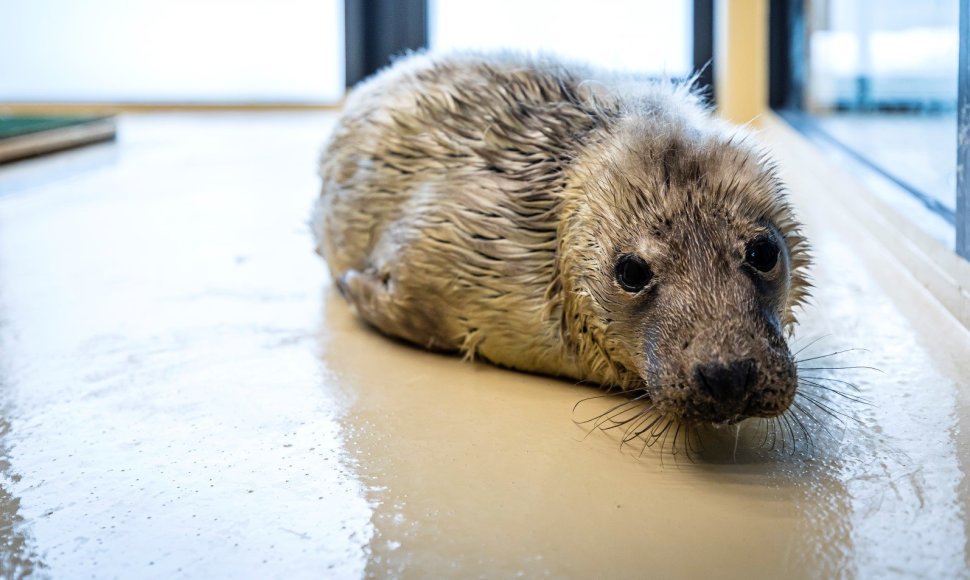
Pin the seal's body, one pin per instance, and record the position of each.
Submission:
(564, 221)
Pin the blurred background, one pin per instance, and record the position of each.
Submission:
(882, 79)
(878, 80)
(293, 51)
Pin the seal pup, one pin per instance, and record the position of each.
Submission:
(562, 220)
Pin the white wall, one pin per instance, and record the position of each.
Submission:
(647, 36)
(171, 50)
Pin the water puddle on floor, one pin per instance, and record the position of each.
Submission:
(165, 413)
(473, 470)
(484, 471)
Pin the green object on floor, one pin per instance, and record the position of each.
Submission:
(31, 135)
(13, 126)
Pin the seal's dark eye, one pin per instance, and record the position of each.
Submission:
(761, 254)
(633, 273)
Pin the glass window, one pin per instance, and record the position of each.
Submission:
(882, 80)
(172, 51)
(643, 36)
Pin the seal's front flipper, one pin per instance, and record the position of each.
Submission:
(362, 291)
(391, 309)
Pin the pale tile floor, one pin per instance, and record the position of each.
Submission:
(183, 394)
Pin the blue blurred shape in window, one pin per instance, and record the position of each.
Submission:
(883, 81)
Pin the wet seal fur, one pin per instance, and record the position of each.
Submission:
(491, 205)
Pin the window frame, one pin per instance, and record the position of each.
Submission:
(377, 30)
(787, 55)
(963, 135)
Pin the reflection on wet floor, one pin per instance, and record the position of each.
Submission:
(17, 556)
(185, 395)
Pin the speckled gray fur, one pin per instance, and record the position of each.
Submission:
(479, 203)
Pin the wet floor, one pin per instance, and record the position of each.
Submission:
(184, 394)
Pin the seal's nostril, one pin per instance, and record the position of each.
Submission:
(728, 382)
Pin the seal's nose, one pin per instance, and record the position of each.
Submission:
(726, 383)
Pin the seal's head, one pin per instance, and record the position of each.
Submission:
(680, 264)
